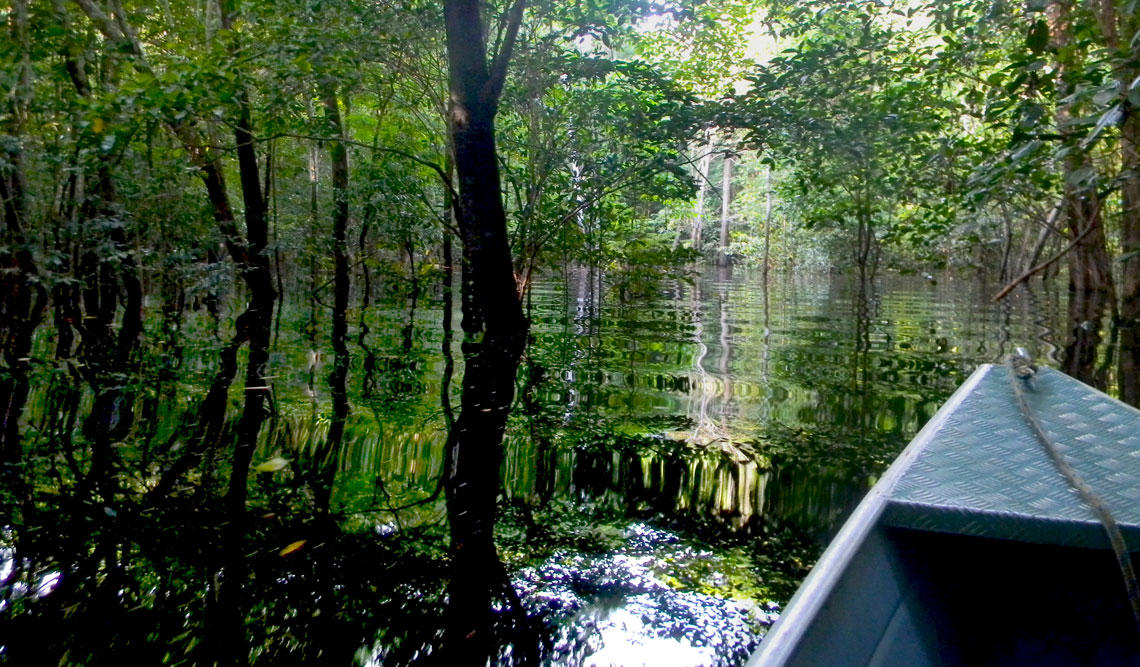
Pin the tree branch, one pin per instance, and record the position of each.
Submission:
(1047, 263)
(106, 25)
(498, 74)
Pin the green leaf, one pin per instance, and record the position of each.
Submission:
(292, 548)
(1110, 117)
(272, 465)
(1082, 177)
(1025, 150)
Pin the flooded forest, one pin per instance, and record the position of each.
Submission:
(509, 332)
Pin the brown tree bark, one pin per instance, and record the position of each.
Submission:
(1091, 289)
(1130, 244)
(1116, 21)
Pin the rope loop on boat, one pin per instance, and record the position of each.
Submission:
(1021, 374)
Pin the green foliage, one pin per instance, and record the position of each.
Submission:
(938, 132)
(857, 111)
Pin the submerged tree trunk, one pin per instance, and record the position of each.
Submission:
(494, 337)
(106, 357)
(258, 275)
(22, 295)
(1130, 244)
(1116, 24)
(864, 246)
(1091, 289)
(448, 282)
(328, 456)
(311, 243)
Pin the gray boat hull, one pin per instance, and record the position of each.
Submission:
(941, 565)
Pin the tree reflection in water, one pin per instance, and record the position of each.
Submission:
(618, 532)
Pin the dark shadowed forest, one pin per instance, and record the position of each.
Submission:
(517, 332)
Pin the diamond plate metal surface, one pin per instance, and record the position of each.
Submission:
(984, 473)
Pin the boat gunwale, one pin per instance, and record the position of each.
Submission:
(785, 636)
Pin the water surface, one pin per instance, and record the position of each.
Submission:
(678, 455)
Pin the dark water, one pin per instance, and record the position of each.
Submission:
(675, 462)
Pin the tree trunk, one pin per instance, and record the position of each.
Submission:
(1091, 288)
(767, 222)
(450, 209)
(722, 258)
(1130, 244)
(22, 295)
(474, 447)
(327, 459)
(258, 275)
(1042, 238)
(107, 357)
(702, 191)
(1129, 322)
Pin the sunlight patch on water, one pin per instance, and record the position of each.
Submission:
(626, 641)
(626, 607)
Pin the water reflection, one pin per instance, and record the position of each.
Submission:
(675, 408)
(672, 466)
(737, 371)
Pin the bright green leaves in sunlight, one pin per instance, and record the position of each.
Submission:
(859, 112)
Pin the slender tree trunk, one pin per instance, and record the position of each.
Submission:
(722, 258)
(225, 619)
(258, 275)
(1091, 289)
(1127, 23)
(1006, 272)
(1043, 237)
(253, 325)
(702, 191)
(474, 447)
(767, 222)
(22, 295)
(311, 235)
(327, 461)
(369, 364)
(271, 201)
(107, 357)
(864, 246)
(1130, 244)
